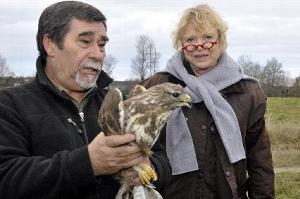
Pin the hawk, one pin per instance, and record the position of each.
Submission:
(144, 114)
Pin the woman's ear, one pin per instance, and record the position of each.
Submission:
(49, 46)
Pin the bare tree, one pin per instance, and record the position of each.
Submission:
(154, 57)
(146, 60)
(273, 76)
(151, 53)
(109, 64)
(3, 67)
(249, 67)
(295, 88)
(140, 63)
(297, 81)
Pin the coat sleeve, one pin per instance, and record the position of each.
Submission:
(162, 166)
(66, 174)
(259, 158)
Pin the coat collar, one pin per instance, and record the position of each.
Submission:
(235, 88)
(103, 80)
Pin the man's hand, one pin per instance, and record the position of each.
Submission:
(109, 154)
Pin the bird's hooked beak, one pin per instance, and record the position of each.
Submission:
(187, 100)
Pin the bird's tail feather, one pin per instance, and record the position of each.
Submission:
(138, 192)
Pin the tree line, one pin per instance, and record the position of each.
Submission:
(273, 79)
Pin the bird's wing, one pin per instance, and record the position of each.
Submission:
(111, 112)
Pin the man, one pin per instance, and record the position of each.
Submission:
(50, 140)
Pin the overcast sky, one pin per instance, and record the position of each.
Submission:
(259, 29)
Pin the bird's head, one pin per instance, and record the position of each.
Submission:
(171, 95)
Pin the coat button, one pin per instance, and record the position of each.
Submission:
(227, 173)
(200, 174)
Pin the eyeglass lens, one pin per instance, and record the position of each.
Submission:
(205, 45)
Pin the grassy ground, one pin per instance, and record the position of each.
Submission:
(283, 110)
(287, 185)
(285, 139)
(283, 123)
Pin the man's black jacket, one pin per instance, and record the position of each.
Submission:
(43, 143)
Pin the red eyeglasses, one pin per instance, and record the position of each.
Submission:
(206, 45)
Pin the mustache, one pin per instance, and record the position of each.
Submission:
(92, 64)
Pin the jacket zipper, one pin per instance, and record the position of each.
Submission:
(81, 115)
(78, 130)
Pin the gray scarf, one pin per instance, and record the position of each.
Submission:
(179, 145)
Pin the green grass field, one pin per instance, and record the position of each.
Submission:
(287, 185)
(283, 123)
(283, 110)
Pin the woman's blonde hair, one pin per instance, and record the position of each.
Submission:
(199, 17)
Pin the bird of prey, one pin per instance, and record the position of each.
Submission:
(144, 114)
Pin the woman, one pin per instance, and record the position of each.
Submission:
(219, 148)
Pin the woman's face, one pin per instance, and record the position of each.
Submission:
(201, 48)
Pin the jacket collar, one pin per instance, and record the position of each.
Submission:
(235, 88)
(103, 80)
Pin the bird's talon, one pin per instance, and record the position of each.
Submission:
(147, 174)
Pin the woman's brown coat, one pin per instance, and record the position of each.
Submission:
(216, 177)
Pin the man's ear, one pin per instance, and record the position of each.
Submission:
(49, 45)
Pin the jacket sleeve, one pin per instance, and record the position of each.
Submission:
(259, 158)
(162, 166)
(64, 175)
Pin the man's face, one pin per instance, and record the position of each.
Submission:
(76, 67)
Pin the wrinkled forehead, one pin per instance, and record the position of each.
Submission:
(82, 28)
(193, 31)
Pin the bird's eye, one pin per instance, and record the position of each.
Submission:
(175, 95)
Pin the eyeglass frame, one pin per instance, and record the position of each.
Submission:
(201, 45)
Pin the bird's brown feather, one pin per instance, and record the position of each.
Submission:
(109, 114)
